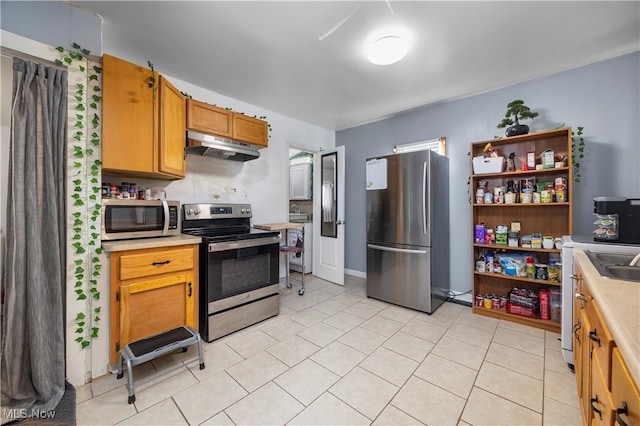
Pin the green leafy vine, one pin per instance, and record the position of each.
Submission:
(85, 195)
(577, 150)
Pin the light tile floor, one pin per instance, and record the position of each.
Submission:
(335, 357)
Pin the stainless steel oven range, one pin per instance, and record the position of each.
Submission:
(239, 277)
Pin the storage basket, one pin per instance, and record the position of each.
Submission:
(484, 165)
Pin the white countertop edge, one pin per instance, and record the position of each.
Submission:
(145, 243)
(619, 303)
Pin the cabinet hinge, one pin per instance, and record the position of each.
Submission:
(117, 296)
(117, 346)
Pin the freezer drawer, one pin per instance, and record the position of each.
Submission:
(401, 275)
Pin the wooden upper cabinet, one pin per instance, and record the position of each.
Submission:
(209, 119)
(217, 121)
(143, 122)
(250, 130)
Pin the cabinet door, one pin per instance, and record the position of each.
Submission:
(600, 402)
(157, 305)
(624, 392)
(583, 353)
(250, 130)
(209, 119)
(127, 117)
(300, 182)
(172, 138)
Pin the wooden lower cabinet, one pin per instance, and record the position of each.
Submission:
(624, 392)
(600, 403)
(605, 387)
(152, 290)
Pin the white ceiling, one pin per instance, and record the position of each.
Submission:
(268, 53)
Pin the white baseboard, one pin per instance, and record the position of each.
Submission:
(462, 297)
(465, 297)
(355, 273)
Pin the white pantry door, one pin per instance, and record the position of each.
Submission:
(328, 215)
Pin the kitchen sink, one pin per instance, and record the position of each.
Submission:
(622, 272)
(614, 265)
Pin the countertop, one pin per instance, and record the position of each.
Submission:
(279, 226)
(145, 243)
(619, 303)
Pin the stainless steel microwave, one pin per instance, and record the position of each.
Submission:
(126, 219)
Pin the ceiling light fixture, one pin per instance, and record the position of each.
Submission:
(387, 50)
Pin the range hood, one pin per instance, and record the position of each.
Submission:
(219, 147)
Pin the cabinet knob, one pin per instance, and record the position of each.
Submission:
(190, 290)
(580, 296)
(164, 262)
(593, 336)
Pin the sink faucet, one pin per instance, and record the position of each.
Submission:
(635, 260)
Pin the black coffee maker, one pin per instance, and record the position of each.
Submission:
(617, 219)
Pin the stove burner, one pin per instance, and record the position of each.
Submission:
(215, 222)
(217, 235)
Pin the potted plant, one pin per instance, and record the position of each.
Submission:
(519, 111)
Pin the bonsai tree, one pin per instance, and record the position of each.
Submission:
(519, 111)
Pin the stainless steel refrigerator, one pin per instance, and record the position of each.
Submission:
(408, 229)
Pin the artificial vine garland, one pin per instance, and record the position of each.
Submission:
(86, 195)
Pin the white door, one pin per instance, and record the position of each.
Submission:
(328, 215)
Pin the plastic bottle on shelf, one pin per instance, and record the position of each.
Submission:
(530, 267)
(489, 257)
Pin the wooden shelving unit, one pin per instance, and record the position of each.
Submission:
(552, 219)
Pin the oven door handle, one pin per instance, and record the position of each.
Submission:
(231, 245)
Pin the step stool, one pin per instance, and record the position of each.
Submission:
(147, 349)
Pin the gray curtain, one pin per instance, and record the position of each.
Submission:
(34, 268)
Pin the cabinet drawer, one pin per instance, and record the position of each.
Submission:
(601, 340)
(155, 263)
(624, 392)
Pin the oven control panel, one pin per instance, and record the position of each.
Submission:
(216, 211)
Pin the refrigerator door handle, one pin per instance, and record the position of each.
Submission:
(396, 250)
(425, 195)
